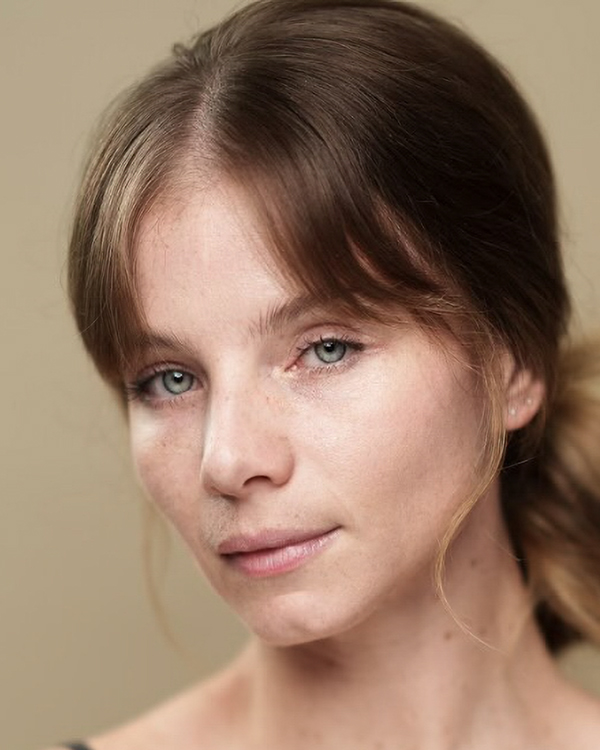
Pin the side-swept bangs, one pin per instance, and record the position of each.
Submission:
(370, 137)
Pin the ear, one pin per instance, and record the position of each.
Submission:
(524, 395)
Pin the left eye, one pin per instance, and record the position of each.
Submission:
(330, 351)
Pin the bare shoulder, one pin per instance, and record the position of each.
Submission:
(204, 717)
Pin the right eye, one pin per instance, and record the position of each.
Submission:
(162, 385)
(176, 381)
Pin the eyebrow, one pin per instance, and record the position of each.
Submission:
(145, 339)
(269, 322)
(279, 316)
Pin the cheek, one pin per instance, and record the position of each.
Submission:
(163, 453)
(407, 445)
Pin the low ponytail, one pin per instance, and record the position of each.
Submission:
(552, 504)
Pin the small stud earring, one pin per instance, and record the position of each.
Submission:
(529, 401)
(512, 411)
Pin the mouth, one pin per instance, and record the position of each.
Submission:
(272, 553)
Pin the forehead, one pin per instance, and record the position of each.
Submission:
(206, 224)
(204, 248)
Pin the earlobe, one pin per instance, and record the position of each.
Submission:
(524, 396)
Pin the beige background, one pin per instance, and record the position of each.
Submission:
(80, 647)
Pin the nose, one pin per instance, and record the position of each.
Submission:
(245, 444)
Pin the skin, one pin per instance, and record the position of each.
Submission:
(353, 648)
(270, 437)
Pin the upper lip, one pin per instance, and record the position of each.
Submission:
(267, 539)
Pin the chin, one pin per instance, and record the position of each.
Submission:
(294, 619)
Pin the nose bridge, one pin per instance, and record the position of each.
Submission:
(245, 440)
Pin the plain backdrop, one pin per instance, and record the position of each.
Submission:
(80, 647)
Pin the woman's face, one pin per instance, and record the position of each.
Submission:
(311, 462)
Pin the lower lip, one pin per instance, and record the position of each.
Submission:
(272, 562)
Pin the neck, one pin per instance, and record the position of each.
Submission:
(416, 674)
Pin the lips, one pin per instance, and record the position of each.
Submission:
(272, 552)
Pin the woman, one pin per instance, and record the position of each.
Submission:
(316, 252)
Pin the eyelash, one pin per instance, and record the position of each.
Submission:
(140, 389)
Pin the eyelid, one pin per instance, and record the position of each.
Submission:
(311, 340)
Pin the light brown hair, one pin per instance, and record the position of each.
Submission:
(393, 165)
